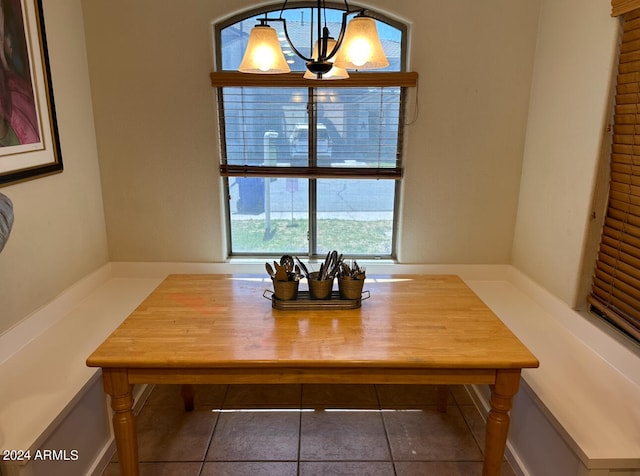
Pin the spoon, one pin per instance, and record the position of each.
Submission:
(269, 269)
(287, 262)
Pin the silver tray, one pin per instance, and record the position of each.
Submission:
(304, 301)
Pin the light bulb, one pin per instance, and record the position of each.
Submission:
(359, 51)
(263, 57)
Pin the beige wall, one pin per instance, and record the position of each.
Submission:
(569, 109)
(59, 232)
(464, 154)
(156, 126)
(155, 121)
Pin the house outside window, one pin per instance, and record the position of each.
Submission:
(309, 166)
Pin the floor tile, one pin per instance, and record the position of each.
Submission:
(475, 422)
(343, 435)
(461, 395)
(206, 396)
(256, 435)
(407, 396)
(159, 469)
(263, 395)
(444, 469)
(171, 434)
(346, 468)
(427, 434)
(241, 468)
(339, 396)
(168, 433)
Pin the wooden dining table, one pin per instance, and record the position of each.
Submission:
(412, 329)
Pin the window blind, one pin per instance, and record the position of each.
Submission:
(620, 7)
(616, 283)
(289, 126)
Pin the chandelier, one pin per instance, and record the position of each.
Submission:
(357, 47)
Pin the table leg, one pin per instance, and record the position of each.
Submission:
(442, 397)
(187, 393)
(117, 386)
(506, 386)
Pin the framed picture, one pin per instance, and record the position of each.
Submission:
(29, 142)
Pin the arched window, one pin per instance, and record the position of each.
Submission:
(310, 165)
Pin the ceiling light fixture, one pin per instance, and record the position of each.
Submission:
(357, 47)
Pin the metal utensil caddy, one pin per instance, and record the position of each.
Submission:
(304, 302)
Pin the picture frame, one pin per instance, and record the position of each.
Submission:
(29, 140)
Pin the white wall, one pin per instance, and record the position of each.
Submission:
(59, 231)
(567, 117)
(156, 126)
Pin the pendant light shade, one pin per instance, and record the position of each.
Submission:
(361, 48)
(357, 47)
(334, 72)
(264, 53)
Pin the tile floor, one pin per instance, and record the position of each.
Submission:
(282, 430)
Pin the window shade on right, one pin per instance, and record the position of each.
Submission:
(616, 283)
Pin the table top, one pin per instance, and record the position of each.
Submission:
(219, 321)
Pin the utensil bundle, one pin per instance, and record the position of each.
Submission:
(287, 274)
(286, 270)
(354, 271)
(331, 266)
(293, 269)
